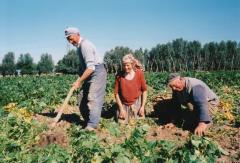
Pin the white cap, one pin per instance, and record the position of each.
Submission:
(71, 31)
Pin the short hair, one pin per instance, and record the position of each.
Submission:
(172, 76)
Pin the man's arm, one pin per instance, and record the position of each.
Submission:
(200, 103)
(88, 52)
(84, 76)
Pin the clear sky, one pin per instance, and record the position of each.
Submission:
(37, 26)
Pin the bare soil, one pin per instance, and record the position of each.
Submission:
(228, 137)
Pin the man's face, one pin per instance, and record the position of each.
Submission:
(177, 84)
(127, 66)
(73, 39)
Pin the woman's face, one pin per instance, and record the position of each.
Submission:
(127, 66)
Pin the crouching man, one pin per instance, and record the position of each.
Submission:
(197, 97)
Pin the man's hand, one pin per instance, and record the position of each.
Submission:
(76, 84)
(141, 111)
(200, 129)
(122, 114)
(87, 73)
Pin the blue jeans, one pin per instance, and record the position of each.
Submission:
(91, 96)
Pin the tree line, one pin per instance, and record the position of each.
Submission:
(25, 64)
(178, 55)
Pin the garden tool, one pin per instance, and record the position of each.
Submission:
(64, 105)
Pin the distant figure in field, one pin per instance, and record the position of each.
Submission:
(93, 75)
(130, 90)
(197, 97)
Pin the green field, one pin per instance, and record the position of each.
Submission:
(26, 102)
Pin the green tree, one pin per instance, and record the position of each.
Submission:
(153, 58)
(231, 54)
(141, 55)
(179, 46)
(8, 64)
(193, 57)
(113, 58)
(25, 64)
(238, 56)
(221, 51)
(161, 58)
(69, 64)
(45, 65)
(212, 47)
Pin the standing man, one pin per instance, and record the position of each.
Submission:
(197, 96)
(93, 75)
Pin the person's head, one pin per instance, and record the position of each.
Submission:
(131, 63)
(176, 82)
(72, 34)
(128, 62)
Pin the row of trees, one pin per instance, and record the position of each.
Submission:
(178, 55)
(181, 55)
(25, 64)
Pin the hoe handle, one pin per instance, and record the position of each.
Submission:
(56, 119)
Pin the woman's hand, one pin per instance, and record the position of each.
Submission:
(141, 111)
(122, 113)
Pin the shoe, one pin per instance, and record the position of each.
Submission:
(89, 128)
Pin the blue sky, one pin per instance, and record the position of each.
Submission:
(38, 27)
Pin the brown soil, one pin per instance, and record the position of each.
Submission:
(58, 133)
(53, 137)
(168, 132)
(227, 137)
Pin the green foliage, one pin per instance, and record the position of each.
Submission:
(237, 121)
(136, 143)
(52, 153)
(85, 145)
(199, 149)
(113, 58)
(25, 64)
(18, 138)
(69, 64)
(8, 64)
(34, 92)
(110, 83)
(156, 80)
(45, 65)
(112, 127)
(115, 153)
(180, 55)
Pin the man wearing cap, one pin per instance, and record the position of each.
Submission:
(196, 96)
(93, 76)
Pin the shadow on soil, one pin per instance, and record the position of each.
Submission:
(166, 112)
(70, 118)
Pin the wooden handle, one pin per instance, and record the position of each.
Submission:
(56, 119)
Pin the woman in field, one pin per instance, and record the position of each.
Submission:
(130, 90)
